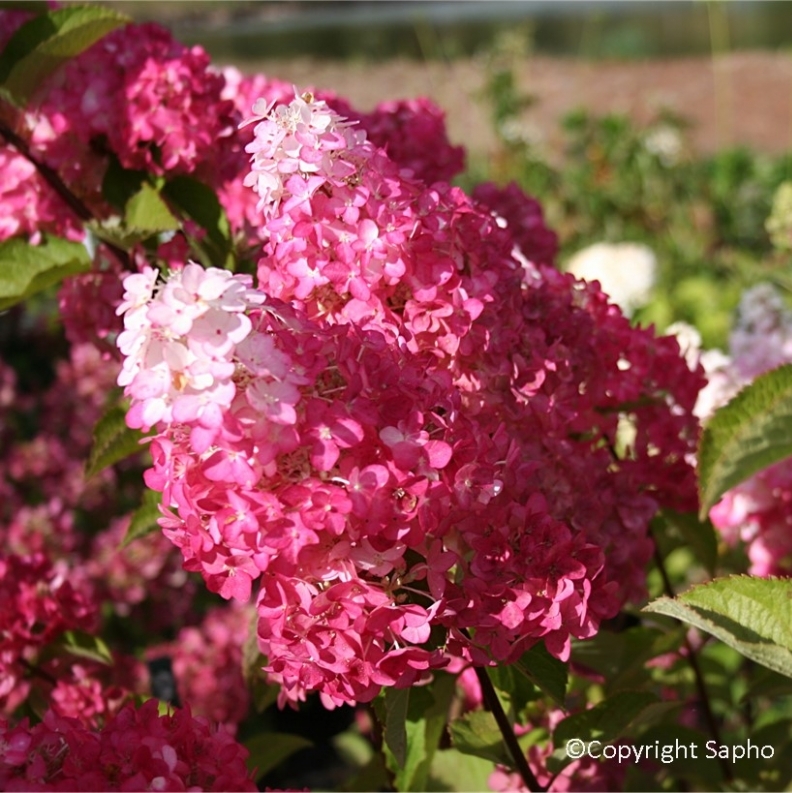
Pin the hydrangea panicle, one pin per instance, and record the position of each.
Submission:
(401, 433)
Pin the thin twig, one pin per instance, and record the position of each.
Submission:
(493, 705)
(54, 180)
(692, 657)
(37, 671)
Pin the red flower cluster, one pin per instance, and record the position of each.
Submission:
(138, 749)
(524, 218)
(40, 602)
(207, 665)
(406, 433)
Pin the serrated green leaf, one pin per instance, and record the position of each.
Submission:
(427, 713)
(477, 733)
(144, 518)
(545, 671)
(112, 441)
(751, 432)
(146, 211)
(49, 40)
(84, 645)
(752, 615)
(26, 269)
(269, 749)
(115, 233)
(607, 720)
(200, 203)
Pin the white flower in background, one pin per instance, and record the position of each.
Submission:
(761, 340)
(762, 335)
(722, 380)
(689, 340)
(665, 143)
(625, 270)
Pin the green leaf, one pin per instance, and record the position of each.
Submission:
(114, 232)
(768, 684)
(514, 690)
(146, 211)
(49, 40)
(452, 770)
(477, 733)
(112, 441)
(752, 615)
(427, 714)
(621, 657)
(395, 733)
(83, 645)
(200, 203)
(31, 6)
(270, 749)
(145, 517)
(687, 529)
(26, 269)
(688, 763)
(372, 776)
(120, 184)
(607, 720)
(545, 671)
(253, 660)
(751, 432)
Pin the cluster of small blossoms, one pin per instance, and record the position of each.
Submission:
(137, 749)
(87, 304)
(139, 94)
(412, 133)
(51, 464)
(757, 511)
(140, 579)
(524, 217)
(207, 665)
(88, 690)
(179, 347)
(40, 600)
(66, 531)
(27, 204)
(411, 430)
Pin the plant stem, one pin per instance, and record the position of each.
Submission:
(701, 686)
(493, 705)
(37, 672)
(53, 179)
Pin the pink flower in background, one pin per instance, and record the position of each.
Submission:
(755, 513)
(135, 750)
(207, 665)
